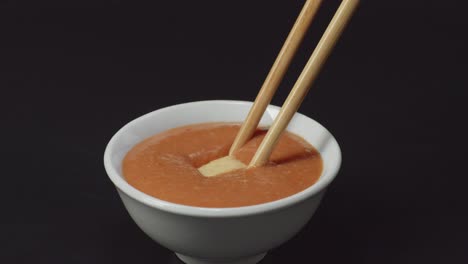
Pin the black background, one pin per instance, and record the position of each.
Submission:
(393, 93)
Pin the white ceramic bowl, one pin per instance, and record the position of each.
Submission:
(219, 235)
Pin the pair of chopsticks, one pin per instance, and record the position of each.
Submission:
(303, 83)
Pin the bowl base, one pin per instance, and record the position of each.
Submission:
(245, 260)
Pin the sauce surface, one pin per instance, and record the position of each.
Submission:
(165, 166)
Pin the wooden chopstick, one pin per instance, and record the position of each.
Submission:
(304, 82)
(276, 73)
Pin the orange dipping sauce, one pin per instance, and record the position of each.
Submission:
(165, 166)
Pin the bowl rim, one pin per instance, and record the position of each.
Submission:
(126, 188)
